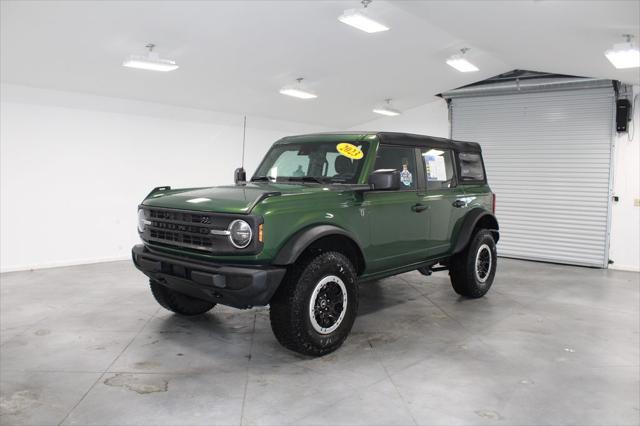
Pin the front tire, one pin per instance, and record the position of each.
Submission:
(316, 305)
(472, 271)
(178, 302)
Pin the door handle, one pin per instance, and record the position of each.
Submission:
(459, 203)
(419, 208)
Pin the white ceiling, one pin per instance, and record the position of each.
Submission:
(235, 55)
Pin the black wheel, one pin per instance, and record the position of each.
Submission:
(178, 302)
(315, 306)
(472, 271)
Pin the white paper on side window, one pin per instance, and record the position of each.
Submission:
(436, 170)
(273, 173)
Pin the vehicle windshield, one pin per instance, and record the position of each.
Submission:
(313, 162)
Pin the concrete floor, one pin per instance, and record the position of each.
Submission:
(549, 344)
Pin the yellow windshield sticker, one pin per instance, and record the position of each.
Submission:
(349, 151)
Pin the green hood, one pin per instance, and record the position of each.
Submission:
(223, 199)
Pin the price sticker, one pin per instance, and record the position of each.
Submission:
(349, 151)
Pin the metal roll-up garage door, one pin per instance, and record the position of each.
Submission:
(548, 159)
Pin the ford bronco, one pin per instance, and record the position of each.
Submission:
(322, 213)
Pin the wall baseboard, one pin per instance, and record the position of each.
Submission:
(61, 264)
(628, 268)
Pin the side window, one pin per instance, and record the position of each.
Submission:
(471, 169)
(439, 170)
(401, 159)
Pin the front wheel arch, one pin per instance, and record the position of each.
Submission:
(321, 238)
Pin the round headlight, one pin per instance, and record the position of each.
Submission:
(240, 233)
(141, 220)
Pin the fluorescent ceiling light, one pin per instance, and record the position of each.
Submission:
(459, 62)
(145, 63)
(358, 18)
(150, 62)
(433, 152)
(624, 55)
(386, 109)
(298, 91)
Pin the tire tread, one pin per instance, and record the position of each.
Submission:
(288, 306)
(462, 267)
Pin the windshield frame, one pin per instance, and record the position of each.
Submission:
(314, 180)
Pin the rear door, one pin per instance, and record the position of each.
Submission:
(446, 200)
(398, 229)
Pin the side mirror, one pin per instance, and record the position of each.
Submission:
(240, 176)
(385, 180)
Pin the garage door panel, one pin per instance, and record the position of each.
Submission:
(535, 134)
(570, 172)
(568, 227)
(577, 179)
(556, 211)
(579, 259)
(547, 157)
(587, 190)
(516, 198)
(533, 219)
(540, 247)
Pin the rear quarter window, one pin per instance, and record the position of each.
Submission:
(471, 169)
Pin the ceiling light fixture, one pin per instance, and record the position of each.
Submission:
(358, 18)
(150, 62)
(624, 55)
(386, 109)
(459, 62)
(298, 90)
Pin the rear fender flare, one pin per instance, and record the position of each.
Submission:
(471, 220)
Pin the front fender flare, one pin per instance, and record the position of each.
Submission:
(471, 220)
(302, 239)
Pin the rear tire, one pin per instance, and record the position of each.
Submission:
(472, 271)
(178, 302)
(316, 305)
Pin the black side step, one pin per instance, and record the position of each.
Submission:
(428, 270)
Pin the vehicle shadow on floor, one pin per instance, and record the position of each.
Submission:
(220, 322)
(373, 297)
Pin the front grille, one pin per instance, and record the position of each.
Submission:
(181, 239)
(191, 230)
(183, 229)
(181, 217)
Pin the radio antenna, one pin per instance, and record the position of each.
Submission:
(244, 137)
(240, 176)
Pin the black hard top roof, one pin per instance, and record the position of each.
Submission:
(396, 138)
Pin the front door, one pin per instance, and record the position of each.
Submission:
(446, 200)
(399, 227)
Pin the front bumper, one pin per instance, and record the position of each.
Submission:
(237, 286)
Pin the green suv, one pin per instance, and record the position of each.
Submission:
(322, 213)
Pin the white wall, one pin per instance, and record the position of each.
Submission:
(625, 217)
(74, 168)
(429, 119)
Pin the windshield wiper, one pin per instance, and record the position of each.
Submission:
(314, 179)
(306, 179)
